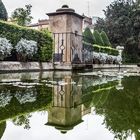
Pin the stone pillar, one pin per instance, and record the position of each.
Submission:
(120, 49)
(67, 26)
(66, 110)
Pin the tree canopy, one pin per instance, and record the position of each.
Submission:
(122, 25)
(3, 12)
(22, 16)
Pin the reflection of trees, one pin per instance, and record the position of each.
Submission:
(23, 101)
(22, 120)
(97, 94)
(122, 109)
(2, 128)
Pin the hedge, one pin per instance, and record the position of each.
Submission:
(107, 49)
(97, 48)
(105, 39)
(88, 37)
(98, 38)
(14, 33)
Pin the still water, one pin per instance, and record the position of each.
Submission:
(69, 106)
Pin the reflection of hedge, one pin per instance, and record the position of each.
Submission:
(14, 33)
(2, 128)
(92, 91)
(15, 108)
(122, 110)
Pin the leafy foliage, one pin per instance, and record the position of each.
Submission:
(107, 50)
(122, 25)
(28, 48)
(14, 33)
(2, 128)
(16, 107)
(5, 48)
(3, 12)
(22, 16)
(98, 38)
(105, 39)
(22, 120)
(88, 37)
(121, 110)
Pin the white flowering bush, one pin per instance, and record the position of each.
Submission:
(27, 48)
(96, 55)
(5, 48)
(104, 57)
(28, 96)
(5, 98)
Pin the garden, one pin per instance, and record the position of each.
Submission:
(102, 50)
(19, 43)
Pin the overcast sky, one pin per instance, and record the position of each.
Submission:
(40, 7)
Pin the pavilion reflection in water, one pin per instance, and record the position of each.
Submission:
(70, 97)
(67, 100)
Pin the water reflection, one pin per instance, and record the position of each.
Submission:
(68, 97)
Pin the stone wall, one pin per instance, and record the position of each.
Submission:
(24, 66)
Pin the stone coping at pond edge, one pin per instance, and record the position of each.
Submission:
(6, 66)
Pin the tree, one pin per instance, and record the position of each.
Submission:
(2, 128)
(105, 39)
(120, 109)
(98, 38)
(3, 12)
(88, 37)
(122, 25)
(22, 16)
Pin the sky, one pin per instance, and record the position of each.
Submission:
(41, 7)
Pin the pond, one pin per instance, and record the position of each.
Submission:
(69, 106)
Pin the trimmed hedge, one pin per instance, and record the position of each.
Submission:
(97, 48)
(98, 38)
(108, 50)
(105, 39)
(88, 37)
(14, 33)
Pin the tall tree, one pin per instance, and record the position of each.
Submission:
(122, 25)
(3, 12)
(22, 16)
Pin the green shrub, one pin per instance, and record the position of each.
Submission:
(14, 33)
(98, 38)
(105, 39)
(88, 37)
(3, 12)
(107, 49)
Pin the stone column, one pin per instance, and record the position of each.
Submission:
(66, 26)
